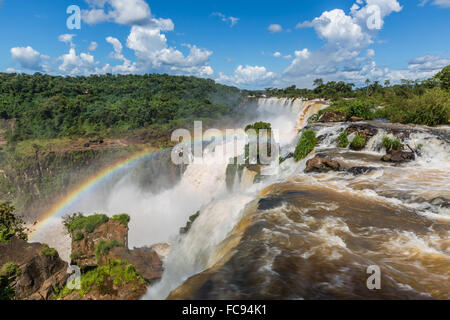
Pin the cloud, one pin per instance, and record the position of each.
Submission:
(250, 76)
(93, 46)
(440, 3)
(231, 20)
(28, 58)
(67, 38)
(346, 36)
(274, 28)
(147, 40)
(117, 47)
(277, 54)
(428, 63)
(72, 64)
(127, 12)
(11, 70)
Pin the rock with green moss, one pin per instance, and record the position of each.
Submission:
(391, 144)
(358, 143)
(10, 269)
(305, 145)
(47, 251)
(342, 141)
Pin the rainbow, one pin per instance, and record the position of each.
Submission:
(78, 192)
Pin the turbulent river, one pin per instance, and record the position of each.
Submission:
(295, 235)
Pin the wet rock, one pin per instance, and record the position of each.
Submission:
(360, 170)
(441, 202)
(333, 116)
(399, 156)
(40, 271)
(364, 129)
(269, 203)
(322, 164)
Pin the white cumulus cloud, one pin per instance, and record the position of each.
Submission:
(28, 58)
(250, 76)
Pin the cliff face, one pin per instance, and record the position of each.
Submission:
(39, 270)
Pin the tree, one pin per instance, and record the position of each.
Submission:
(387, 83)
(444, 78)
(318, 83)
(10, 224)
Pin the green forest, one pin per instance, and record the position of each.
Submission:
(45, 106)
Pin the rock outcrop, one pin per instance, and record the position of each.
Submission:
(322, 163)
(100, 249)
(85, 244)
(325, 163)
(42, 272)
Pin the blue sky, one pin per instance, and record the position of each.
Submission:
(250, 44)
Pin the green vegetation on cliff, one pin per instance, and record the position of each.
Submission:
(78, 221)
(104, 247)
(106, 279)
(124, 219)
(47, 251)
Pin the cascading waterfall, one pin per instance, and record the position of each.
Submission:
(330, 221)
(193, 253)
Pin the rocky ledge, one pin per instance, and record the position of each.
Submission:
(324, 163)
(33, 270)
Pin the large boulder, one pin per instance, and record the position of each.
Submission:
(333, 116)
(399, 156)
(42, 272)
(322, 163)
